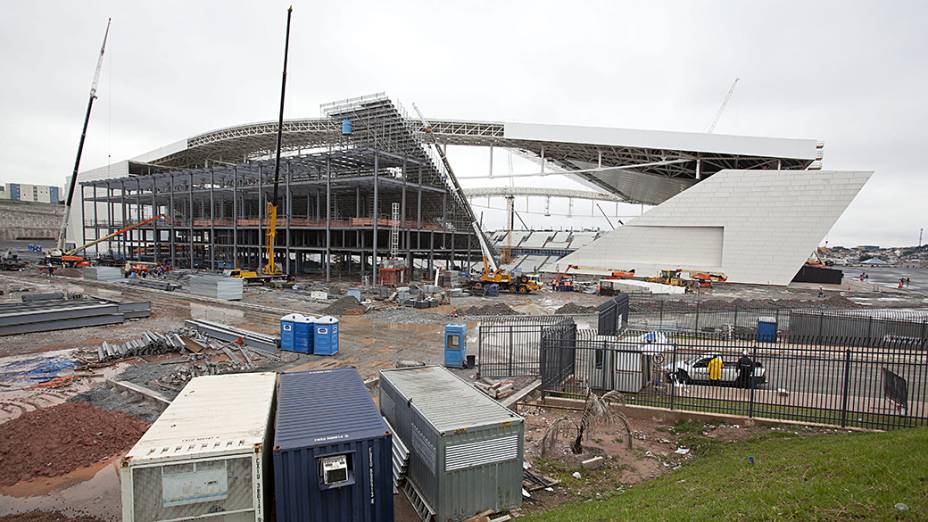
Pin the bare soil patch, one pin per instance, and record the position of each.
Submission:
(53, 441)
(47, 516)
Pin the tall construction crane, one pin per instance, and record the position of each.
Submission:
(62, 233)
(271, 268)
(718, 114)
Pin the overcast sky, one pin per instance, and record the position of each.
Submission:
(854, 74)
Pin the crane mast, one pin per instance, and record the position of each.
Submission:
(63, 231)
(271, 268)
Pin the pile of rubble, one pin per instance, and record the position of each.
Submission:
(490, 309)
(496, 389)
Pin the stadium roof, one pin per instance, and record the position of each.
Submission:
(640, 166)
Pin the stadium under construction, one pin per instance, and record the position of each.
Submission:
(366, 186)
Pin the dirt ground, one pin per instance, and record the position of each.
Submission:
(53, 441)
(47, 516)
(86, 481)
(660, 444)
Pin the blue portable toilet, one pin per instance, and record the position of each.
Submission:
(766, 330)
(303, 334)
(455, 345)
(347, 128)
(325, 336)
(286, 332)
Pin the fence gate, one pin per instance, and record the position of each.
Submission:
(613, 315)
(557, 357)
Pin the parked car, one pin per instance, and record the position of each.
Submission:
(695, 369)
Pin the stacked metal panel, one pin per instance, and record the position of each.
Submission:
(332, 454)
(103, 273)
(217, 287)
(63, 314)
(467, 449)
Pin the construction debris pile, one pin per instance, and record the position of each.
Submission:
(489, 309)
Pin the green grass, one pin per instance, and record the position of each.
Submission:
(856, 476)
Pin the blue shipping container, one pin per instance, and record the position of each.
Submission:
(303, 334)
(286, 332)
(766, 330)
(333, 453)
(455, 347)
(325, 336)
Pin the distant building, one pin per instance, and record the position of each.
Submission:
(34, 193)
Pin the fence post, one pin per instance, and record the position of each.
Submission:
(869, 330)
(696, 329)
(751, 383)
(661, 323)
(479, 348)
(734, 329)
(821, 325)
(847, 383)
(510, 350)
(673, 379)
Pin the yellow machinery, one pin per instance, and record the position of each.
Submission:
(271, 270)
(669, 277)
(493, 274)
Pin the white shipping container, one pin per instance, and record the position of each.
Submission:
(206, 457)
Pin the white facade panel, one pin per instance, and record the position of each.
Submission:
(768, 223)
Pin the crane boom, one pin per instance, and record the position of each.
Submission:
(111, 236)
(63, 231)
(718, 114)
(488, 262)
(270, 268)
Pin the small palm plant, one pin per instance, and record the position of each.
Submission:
(597, 411)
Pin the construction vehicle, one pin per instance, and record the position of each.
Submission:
(271, 270)
(669, 277)
(622, 274)
(494, 275)
(705, 279)
(688, 278)
(63, 231)
(71, 259)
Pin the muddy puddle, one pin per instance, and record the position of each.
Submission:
(92, 490)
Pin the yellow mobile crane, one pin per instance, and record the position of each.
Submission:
(270, 268)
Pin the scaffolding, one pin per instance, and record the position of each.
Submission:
(336, 203)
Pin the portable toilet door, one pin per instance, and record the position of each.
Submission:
(287, 332)
(455, 346)
(303, 334)
(325, 336)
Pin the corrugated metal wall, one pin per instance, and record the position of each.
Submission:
(461, 473)
(300, 497)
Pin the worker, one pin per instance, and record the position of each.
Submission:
(745, 369)
(715, 369)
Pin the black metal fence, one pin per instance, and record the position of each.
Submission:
(834, 380)
(740, 320)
